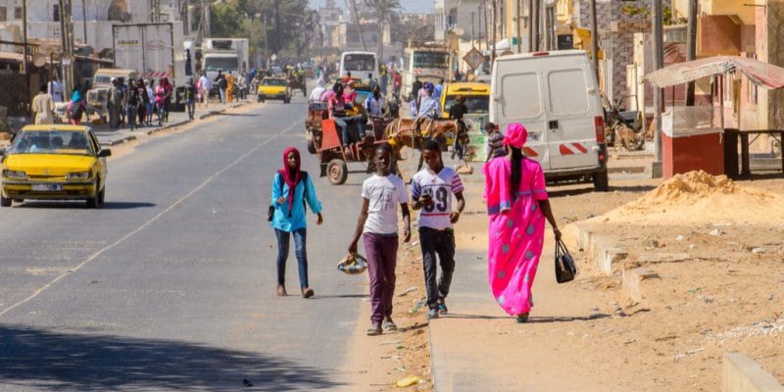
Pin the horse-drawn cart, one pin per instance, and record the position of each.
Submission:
(334, 159)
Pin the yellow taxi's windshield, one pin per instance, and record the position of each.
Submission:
(273, 82)
(476, 104)
(51, 142)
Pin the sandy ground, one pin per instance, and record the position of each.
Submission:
(725, 297)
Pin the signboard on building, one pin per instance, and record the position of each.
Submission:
(565, 41)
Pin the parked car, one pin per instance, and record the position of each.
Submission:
(273, 88)
(54, 162)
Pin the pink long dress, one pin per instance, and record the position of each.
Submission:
(516, 232)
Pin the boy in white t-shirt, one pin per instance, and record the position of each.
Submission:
(377, 224)
(431, 190)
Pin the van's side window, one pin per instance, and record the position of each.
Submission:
(571, 87)
(521, 96)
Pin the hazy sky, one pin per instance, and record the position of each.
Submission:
(408, 5)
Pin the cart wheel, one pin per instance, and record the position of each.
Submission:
(337, 170)
(311, 146)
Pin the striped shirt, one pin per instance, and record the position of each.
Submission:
(441, 186)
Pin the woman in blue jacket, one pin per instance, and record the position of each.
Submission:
(289, 217)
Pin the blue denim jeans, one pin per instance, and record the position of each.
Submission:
(348, 133)
(300, 235)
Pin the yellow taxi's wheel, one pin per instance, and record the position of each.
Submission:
(94, 201)
(337, 171)
(5, 201)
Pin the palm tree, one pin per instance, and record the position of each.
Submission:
(383, 8)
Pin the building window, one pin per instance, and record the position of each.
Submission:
(56, 12)
(18, 13)
(3, 14)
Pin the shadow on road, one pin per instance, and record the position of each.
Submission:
(115, 205)
(79, 362)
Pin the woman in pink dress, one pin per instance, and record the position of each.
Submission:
(517, 206)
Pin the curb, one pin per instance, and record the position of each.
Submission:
(121, 140)
(743, 374)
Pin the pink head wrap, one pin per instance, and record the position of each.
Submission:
(516, 135)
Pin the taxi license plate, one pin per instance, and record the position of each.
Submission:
(47, 187)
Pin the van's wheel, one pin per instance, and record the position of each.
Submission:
(311, 146)
(94, 202)
(5, 201)
(337, 171)
(601, 182)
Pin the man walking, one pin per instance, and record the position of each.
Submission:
(222, 83)
(206, 86)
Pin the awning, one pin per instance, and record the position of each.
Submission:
(760, 73)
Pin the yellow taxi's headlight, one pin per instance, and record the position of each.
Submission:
(78, 175)
(14, 174)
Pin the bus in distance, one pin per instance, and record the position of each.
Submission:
(362, 65)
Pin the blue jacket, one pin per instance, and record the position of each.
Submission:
(281, 219)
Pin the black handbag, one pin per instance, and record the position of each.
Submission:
(565, 270)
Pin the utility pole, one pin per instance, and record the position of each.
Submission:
(66, 33)
(492, 55)
(25, 52)
(84, 21)
(595, 39)
(359, 26)
(519, 6)
(535, 18)
(530, 25)
(691, 47)
(658, 63)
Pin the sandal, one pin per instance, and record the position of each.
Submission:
(389, 325)
(375, 331)
(307, 292)
(282, 291)
(522, 318)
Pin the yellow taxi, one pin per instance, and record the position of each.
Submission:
(273, 88)
(54, 162)
(477, 97)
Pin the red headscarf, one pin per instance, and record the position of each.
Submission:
(291, 176)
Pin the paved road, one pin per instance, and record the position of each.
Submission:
(171, 286)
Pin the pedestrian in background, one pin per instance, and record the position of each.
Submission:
(220, 80)
(144, 100)
(431, 191)
(55, 89)
(43, 107)
(457, 111)
(114, 104)
(230, 87)
(291, 187)
(378, 225)
(150, 89)
(206, 85)
(517, 206)
(190, 98)
(76, 108)
(494, 145)
(132, 104)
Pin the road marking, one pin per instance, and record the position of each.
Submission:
(145, 225)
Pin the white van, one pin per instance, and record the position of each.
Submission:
(556, 97)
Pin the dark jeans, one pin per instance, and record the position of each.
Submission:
(300, 251)
(191, 105)
(130, 110)
(348, 132)
(381, 253)
(441, 242)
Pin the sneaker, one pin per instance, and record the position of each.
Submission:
(442, 309)
(432, 314)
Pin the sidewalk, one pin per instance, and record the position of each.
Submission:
(478, 346)
(112, 137)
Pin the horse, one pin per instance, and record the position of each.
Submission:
(403, 132)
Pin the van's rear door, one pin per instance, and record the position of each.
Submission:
(572, 105)
(517, 96)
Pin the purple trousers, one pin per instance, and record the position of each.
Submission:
(381, 253)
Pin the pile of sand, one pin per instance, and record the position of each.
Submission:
(698, 197)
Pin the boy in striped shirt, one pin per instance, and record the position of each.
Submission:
(431, 191)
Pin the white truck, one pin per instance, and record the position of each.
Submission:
(154, 50)
(225, 54)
